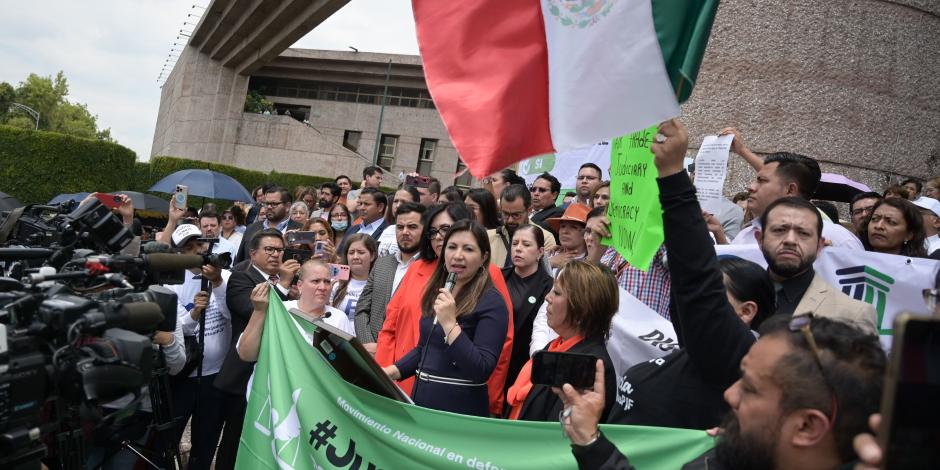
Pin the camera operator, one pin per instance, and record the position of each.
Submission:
(194, 396)
(107, 451)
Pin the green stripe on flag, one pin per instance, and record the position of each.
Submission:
(683, 28)
(302, 415)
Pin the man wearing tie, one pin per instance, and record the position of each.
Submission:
(265, 251)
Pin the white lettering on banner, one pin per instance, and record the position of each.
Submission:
(711, 167)
(891, 283)
(361, 417)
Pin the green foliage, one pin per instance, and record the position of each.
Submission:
(35, 166)
(256, 103)
(47, 95)
(7, 98)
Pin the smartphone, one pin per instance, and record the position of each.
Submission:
(319, 248)
(418, 181)
(181, 196)
(558, 368)
(300, 238)
(339, 272)
(110, 201)
(910, 416)
(299, 254)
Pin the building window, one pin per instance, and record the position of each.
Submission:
(351, 140)
(465, 180)
(387, 151)
(426, 156)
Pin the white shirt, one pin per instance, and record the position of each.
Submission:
(267, 276)
(542, 334)
(401, 269)
(388, 243)
(226, 246)
(835, 233)
(348, 304)
(235, 239)
(933, 243)
(371, 227)
(218, 319)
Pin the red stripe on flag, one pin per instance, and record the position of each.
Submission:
(486, 66)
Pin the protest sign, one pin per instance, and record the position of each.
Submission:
(636, 217)
(711, 167)
(302, 415)
(891, 283)
(565, 165)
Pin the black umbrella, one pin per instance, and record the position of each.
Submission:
(146, 202)
(8, 203)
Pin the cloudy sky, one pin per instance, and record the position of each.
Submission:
(112, 51)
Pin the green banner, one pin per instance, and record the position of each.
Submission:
(302, 415)
(636, 217)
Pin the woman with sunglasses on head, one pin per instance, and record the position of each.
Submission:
(322, 246)
(399, 334)
(463, 328)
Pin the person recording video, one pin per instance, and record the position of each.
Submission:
(202, 293)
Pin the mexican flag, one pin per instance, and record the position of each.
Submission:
(303, 416)
(518, 78)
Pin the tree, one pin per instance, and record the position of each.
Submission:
(47, 95)
(7, 96)
(256, 103)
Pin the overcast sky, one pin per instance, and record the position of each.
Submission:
(112, 51)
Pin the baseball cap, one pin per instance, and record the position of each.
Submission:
(185, 233)
(928, 203)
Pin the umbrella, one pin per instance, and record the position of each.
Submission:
(77, 197)
(205, 183)
(146, 202)
(8, 203)
(833, 187)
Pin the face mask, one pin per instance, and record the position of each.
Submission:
(340, 226)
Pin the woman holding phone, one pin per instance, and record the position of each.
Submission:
(581, 305)
(360, 256)
(322, 246)
(462, 330)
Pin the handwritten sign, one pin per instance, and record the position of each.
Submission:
(711, 167)
(636, 217)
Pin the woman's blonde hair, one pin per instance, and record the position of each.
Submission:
(592, 297)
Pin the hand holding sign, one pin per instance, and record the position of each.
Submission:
(670, 151)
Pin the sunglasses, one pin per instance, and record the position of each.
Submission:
(803, 324)
(536, 189)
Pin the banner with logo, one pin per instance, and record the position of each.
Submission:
(302, 415)
(893, 284)
(565, 165)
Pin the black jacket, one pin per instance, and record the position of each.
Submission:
(233, 377)
(543, 405)
(524, 313)
(250, 231)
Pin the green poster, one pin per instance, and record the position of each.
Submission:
(636, 217)
(302, 415)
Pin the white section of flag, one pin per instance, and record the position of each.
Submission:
(606, 79)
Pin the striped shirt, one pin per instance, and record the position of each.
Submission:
(651, 287)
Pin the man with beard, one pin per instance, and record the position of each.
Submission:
(387, 273)
(803, 390)
(514, 206)
(791, 240)
(277, 201)
(329, 196)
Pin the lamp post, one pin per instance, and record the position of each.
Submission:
(378, 130)
(32, 112)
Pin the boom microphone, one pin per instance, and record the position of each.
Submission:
(164, 262)
(141, 317)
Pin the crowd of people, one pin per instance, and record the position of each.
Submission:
(787, 366)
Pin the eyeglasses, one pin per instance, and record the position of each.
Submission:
(513, 215)
(442, 230)
(273, 250)
(536, 189)
(271, 204)
(931, 296)
(803, 324)
(862, 210)
(228, 217)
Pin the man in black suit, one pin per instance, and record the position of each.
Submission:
(372, 204)
(544, 191)
(278, 201)
(265, 251)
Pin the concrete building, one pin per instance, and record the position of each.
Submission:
(850, 83)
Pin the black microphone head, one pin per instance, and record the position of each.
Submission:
(171, 262)
(155, 247)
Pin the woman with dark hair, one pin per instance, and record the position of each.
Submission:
(895, 227)
(388, 244)
(528, 282)
(339, 220)
(322, 234)
(230, 225)
(450, 194)
(462, 330)
(483, 206)
(360, 256)
(399, 334)
(581, 304)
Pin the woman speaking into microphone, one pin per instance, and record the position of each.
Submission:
(461, 331)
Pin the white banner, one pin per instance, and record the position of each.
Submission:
(564, 165)
(893, 284)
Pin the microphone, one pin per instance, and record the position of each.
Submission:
(449, 284)
(170, 262)
(141, 317)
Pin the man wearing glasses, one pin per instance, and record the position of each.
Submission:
(277, 201)
(860, 208)
(589, 178)
(514, 207)
(265, 251)
(544, 192)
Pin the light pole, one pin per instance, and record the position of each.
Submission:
(32, 112)
(378, 130)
